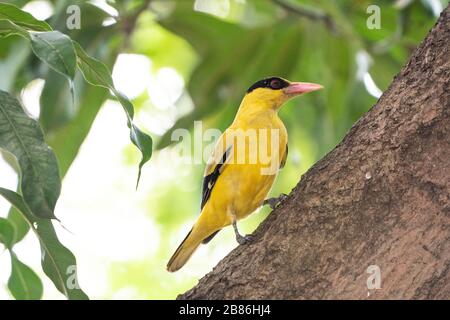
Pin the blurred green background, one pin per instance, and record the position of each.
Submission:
(184, 61)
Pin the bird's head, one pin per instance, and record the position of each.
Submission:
(275, 91)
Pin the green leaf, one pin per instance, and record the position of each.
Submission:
(24, 283)
(21, 226)
(96, 73)
(6, 233)
(58, 262)
(22, 136)
(8, 28)
(144, 144)
(22, 18)
(55, 49)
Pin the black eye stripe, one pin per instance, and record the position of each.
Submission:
(273, 83)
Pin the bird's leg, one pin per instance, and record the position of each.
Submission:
(274, 202)
(240, 238)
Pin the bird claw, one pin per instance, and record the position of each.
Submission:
(275, 202)
(244, 239)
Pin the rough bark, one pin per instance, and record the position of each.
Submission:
(381, 197)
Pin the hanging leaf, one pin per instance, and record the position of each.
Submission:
(58, 262)
(145, 145)
(96, 73)
(22, 136)
(21, 226)
(22, 18)
(55, 49)
(6, 233)
(24, 283)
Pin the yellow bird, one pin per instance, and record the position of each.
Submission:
(243, 165)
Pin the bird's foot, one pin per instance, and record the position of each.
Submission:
(275, 202)
(244, 239)
(240, 238)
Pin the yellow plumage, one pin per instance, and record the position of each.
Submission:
(244, 164)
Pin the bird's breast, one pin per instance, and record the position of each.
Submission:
(258, 149)
(259, 140)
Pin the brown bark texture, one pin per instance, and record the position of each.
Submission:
(381, 197)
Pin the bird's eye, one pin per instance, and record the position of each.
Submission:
(275, 84)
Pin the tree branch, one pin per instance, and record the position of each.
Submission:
(129, 23)
(309, 14)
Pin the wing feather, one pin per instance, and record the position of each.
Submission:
(283, 161)
(212, 173)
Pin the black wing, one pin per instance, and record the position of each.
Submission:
(283, 161)
(210, 180)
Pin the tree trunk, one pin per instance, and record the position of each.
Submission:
(380, 198)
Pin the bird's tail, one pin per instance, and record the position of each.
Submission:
(184, 251)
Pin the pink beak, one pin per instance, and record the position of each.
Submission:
(296, 88)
